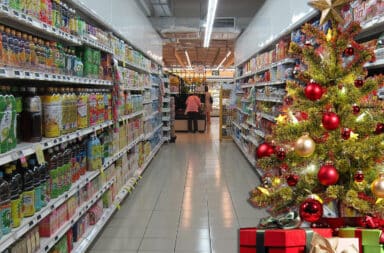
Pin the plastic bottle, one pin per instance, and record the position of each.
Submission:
(12, 141)
(5, 205)
(59, 170)
(34, 167)
(32, 116)
(67, 176)
(52, 117)
(15, 181)
(28, 190)
(5, 122)
(82, 156)
(94, 153)
(51, 159)
(44, 181)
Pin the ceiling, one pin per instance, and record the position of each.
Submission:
(181, 25)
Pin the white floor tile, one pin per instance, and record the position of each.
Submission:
(192, 199)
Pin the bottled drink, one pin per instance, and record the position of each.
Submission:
(15, 181)
(67, 151)
(28, 190)
(52, 105)
(94, 153)
(53, 182)
(44, 181)
(33, 166)
(5, 205)
(32, 117)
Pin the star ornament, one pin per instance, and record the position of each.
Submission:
(330, 9)
(281, 119)
(354, 136)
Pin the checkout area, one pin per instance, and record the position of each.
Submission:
(181, 120)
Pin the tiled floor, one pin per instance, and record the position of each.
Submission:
(192, 198)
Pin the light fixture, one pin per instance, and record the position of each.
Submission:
(211, 12)
(225, 58)
(188, 60)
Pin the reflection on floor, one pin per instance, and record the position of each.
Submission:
(192, 198)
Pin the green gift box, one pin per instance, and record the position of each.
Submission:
(373, 248)
(369, 239)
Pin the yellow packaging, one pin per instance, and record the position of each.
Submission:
(52, 108)
(28, 203)
(16, 212)
(82, 111)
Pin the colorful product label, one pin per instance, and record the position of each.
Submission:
(38, 194)
(16, 212)
(28, 203)
(52, 118)
(5, 215)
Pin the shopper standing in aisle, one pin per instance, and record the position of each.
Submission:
(208, 104)
(192, 110)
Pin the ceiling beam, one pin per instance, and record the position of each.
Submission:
(178, 58)
(216, 55)
(230, 61)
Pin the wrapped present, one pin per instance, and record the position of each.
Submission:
(322, 244)
(369, 239)
(254, 240)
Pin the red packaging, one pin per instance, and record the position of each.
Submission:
(49, 225)
(277, 240)
(70, 240)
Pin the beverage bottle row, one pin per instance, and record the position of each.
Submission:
(26, 186)
(22, 50)
(49, 112)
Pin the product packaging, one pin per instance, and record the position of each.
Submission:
(369, 239)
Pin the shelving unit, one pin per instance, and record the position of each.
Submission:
(166, 116)
(129, 60)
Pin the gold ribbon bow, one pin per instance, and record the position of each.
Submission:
(321, 244)
(286, 221)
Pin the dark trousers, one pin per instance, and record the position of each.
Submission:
(193, 116)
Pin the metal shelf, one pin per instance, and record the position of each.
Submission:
(269, 99)
(22, 74)
(268, 117)
(90, 42)
(130, 116)
(149, 135)
(261, 84)
(132, 66)
(265, 68)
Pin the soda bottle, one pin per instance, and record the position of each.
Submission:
(16, 185)
(28, 190)
(5, 205)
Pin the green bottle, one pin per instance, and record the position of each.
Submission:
(5, 124)
(12, 141)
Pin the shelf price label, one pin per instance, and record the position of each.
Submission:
(39, 153)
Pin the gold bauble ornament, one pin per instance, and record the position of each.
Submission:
(377, 186)
(305, 146)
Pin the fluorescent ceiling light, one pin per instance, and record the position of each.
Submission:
(188, 60)
(212, 4)
(225, 58)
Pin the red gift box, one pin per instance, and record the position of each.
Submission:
(278, 240)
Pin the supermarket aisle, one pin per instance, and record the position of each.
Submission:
(192, 199)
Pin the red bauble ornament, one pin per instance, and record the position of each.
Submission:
(328, 174)
(349, 51)
(280, 153)
(379, 128)
(355, 109)
(288, 101)
(283, 169)
(292, 179)
(346, 133)
(330, 121)
(300, 116)
(313, 91)
(359, 176)
(264, 149)
(359, 83)
(311, 210)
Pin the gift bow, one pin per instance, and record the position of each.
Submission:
(321, 244)
(374, 222)
(286, 221)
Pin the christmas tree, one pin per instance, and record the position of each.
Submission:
(327, 145)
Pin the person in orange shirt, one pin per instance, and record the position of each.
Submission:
(192, 110)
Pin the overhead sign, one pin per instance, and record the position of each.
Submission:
(215, 72)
